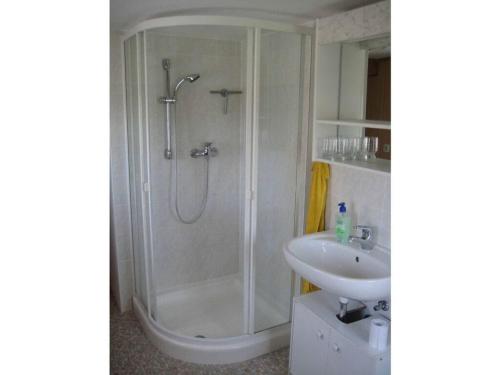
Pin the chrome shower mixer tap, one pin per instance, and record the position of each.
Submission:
(207, 150)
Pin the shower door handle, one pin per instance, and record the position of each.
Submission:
(225, 94)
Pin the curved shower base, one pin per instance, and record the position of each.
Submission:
(212, 351)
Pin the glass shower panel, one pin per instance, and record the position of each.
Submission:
(131, 50)
(278, 144)
(197, 268)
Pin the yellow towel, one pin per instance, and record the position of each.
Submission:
(316, 210)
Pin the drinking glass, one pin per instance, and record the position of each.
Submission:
(323, 147)
(341, 149)
(332, 141)
(372, 147)
(355, 148)
(363, 148)
(327, 148)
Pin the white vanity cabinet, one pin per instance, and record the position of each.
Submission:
(310, 336)
(322, 345)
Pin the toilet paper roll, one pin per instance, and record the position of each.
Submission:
(379, 332)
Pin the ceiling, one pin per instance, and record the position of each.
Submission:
(126, 13)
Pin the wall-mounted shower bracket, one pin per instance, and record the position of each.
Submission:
(164, 100)
(225, 94)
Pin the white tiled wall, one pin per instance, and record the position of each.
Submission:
(120, 246)
(209, 248)
(368, 198)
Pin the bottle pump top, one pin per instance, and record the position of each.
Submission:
(342, 207)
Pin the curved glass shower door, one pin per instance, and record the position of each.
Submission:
(138, 168)
(237, 114)
(279, 156)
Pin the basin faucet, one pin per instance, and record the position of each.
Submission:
(366, 239)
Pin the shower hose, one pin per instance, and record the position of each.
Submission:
(174, 181)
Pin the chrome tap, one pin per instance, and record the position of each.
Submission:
(366, 239)
(206, 151)
(381, 305)
(343, 307)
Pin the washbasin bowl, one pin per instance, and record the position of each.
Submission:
(344, 270)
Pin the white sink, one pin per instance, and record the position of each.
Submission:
(344, 270)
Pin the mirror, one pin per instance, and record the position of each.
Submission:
(365, 88)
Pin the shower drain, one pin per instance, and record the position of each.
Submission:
(200, 336)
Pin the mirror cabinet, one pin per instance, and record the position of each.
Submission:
(352, 93)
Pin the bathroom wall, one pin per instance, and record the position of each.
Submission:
(368, 198)
(370, 20)
(366, 193)
(120, 241)
(209, 248)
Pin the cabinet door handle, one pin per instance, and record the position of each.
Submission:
(320, 335)
(336, 348)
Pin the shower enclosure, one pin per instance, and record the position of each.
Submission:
(216, 288)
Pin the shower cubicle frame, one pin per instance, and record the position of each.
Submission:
(250, 344)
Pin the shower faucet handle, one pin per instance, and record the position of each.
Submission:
(206, 151)
(210, 149)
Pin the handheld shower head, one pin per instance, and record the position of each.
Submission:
(189, 77)
(193, 77)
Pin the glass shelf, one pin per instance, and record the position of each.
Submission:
(377, 165)
(357, 123)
